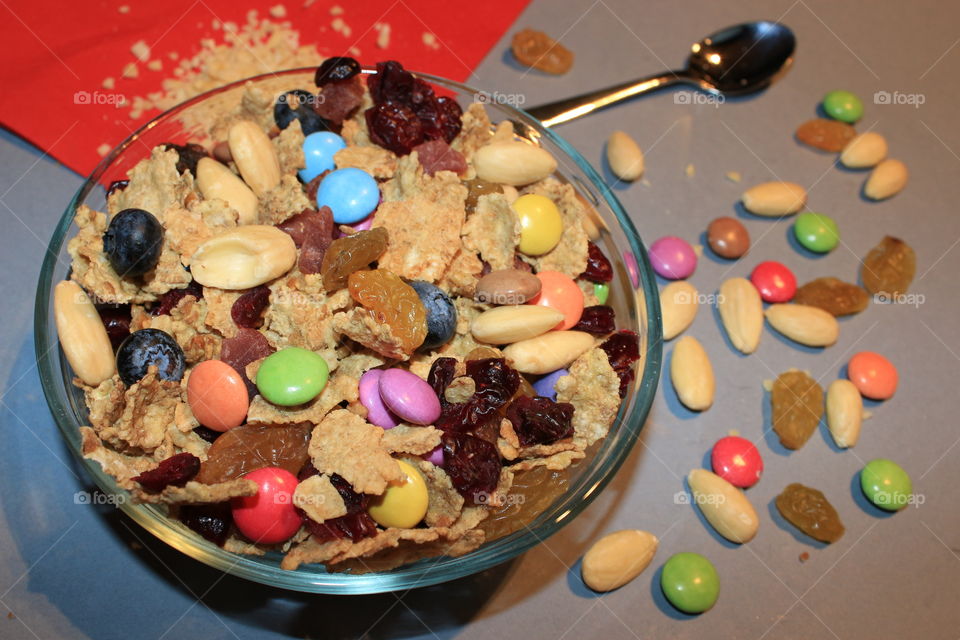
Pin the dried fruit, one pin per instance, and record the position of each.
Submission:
(355, 525)
(394, 126)
(212, 521)
(495, 384)
(808, 510)
(833, 295)
(83, 336)
(312, 233)
(352, 253)
(826, 135)
(598, 320)
(254, 156)
(298, 104)
(174, 471)
(253, 446)
(393, 302)
(538, 50)
(188, 155)
(133, 242)
(598, 268)
(476, 188)
(247, 310)
(797, 405)
(540, 420)
(473, 465)
(116, 320)
(623, 349)
(889, 267)
(437, 155)
(249, 345)
(150, 348)
(810, 326)
(173, 297)
(336, 69)
(617, 558)
(243, 258)
(513, 162)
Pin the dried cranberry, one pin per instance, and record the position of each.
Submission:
(188, 155)
(242, 349)
(623, 349)
(436, 155)
(172, 298)
(247, 310)
(598, 320)
(391, 82)
(442, 373)
(495, 384)
(472, 463)
(116, 320)
(394, 126)
(212, 521)
(598, 267)
(339, 100)
(540, 420)
(207, 434)
(117, 185)
(356, 525)
(175, 470)
(442, 120)
(336, 69)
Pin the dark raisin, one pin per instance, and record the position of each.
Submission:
(623, 349)
(116, 320)
(188, 155)
(336, 69)
(598, 320)
(520, 265)
(495, 384)
(394, 126)
(212, 521)
(540, 420)
(172, 298)
(247, 310)
(472, 463)
(356, 525)
(598, 267)
(299, 105)
(207, 434)
(174, 471)
(117, 185)
(442, 373)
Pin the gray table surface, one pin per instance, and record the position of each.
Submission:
(77, 571)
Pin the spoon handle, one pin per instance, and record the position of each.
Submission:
(568, 109)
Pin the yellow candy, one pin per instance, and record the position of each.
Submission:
(402, 506)
(540, 224)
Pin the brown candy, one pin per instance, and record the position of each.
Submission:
(538, 50)
(507, 286)
(826, 135)
(728, 238)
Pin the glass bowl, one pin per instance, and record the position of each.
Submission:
(633, 294)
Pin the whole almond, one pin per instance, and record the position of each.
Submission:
(774, 199)
(624, 156)
(254, 155)
(887, 179)
(807, 325)
(549, 352)
(82, 335)
(678, 307)
(844, 412)
(217, 181)
(514, 163)
(724, 506)
(741, 311)
(617, 558)
(243, 258)
(866, 150)
(692, 374)
(512, 323)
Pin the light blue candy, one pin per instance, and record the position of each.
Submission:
(352, 195)
(545, 385)
(318, 150)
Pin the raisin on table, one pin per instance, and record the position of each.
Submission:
(797, 406)
(826, 135)
(538, 50)
(889, 267)
(833, 296)
(809, 510)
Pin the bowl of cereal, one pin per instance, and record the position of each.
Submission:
(348, 330)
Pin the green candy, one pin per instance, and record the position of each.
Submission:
(886, 484)
(690, 582)
(602, 291)
(292, 376)
(816, 232)
(843, 106)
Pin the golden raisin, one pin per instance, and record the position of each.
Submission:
(253, 446)
(538, 50)
(833, 295)
(476, 188)
(797, 405)
(809, 510)
(826, 135)
(889, 267)
(393, 302)
(352, 253)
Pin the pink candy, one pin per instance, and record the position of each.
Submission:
(377, 412)
(673, 258)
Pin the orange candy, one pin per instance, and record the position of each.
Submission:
(873, 375)
(217, 395)
(561, 293)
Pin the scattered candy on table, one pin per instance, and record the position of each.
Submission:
(318, 151)
(269, 516)
(545, 385)
(874, 375)
(690, 582)
(404, 505)
(540, 224)
(352, 195)
(409, 396)
(737, 461)
(886, 484)
(217, 395)
(774, 281)
(673, 258)
(292, 376)
(377, 412)
(728, 238)
(843, 106)
(816, 232)
(562, 293)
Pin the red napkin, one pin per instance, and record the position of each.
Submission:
(58, 54)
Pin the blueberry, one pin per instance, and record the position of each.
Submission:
(133, 242)
(298, 105)
(335, 69)
(150, 347)
(441, 314)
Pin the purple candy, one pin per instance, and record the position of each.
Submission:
(377, 412)
(409, 396)
(673, 258)
(545, 385)
(436, 456)
(363, 225)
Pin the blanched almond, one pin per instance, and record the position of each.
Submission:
(866, 150)
(724, 506)
(617, 558)
(741, 311)
(844, 412)
(692, 374)
(678, 307)
(774, 199)
(549, 352)
(624, 156)
(254, 156)
(512, 323)
(217, 181)
(244, 257)
(887, 179)
(82, 335)
(515, 163)
(801, 323)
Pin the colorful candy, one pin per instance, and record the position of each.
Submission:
(292, 376)
(673, 258)
(728, 238)
(377, 412)
(816, 232)
(507, 286)
(318, 151)
(269, 517)
(404, 505)
(690, 582)
(843, 106)
(875, 376)
(737, 461)
(409, 396)
(540, 224)
(774, 281)
(602, 291)
(217, 395)
(352, 194)
(545, 385)
(562, 293)
(886, 484)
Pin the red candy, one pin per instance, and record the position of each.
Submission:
(774, 281)
(737, 461)
(873, 375)
(217, 395)
(561, 293)
(268, 517)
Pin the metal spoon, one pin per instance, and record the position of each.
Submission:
(736, 61)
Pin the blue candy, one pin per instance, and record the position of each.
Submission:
(318, 150)
(352, 195)
(545, 385)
